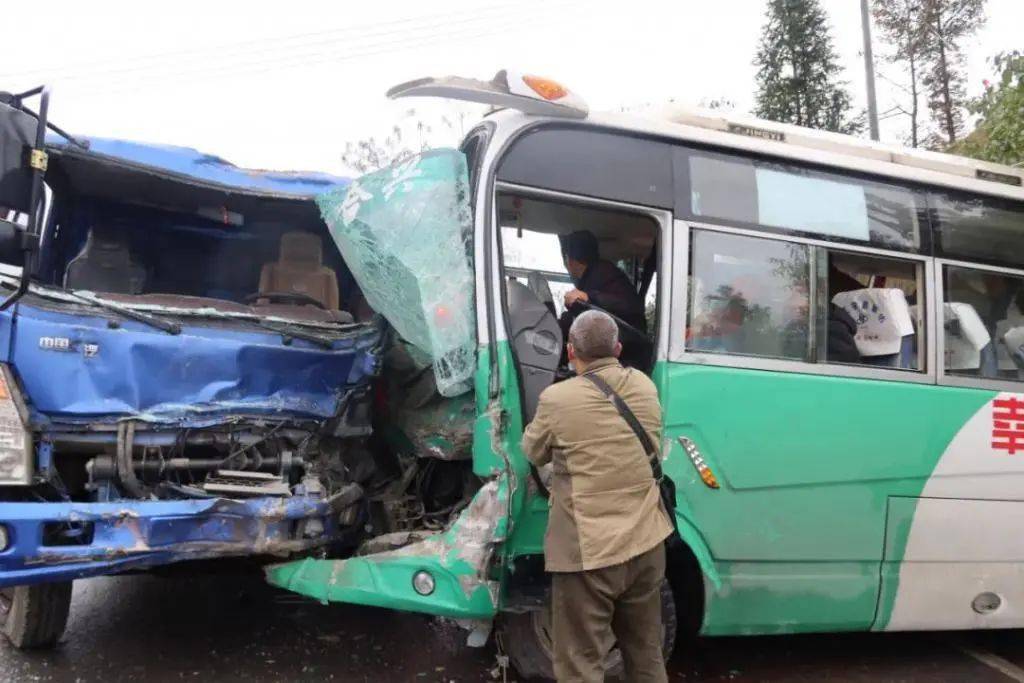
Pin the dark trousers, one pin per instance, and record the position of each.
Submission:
(593, 610)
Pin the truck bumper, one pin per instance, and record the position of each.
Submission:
(130, 534)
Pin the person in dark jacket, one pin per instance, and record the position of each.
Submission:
(842, 332)
(599, 283)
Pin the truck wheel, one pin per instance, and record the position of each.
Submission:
(526, 638)
(35, 616)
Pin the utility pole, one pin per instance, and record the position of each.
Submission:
(869, 68)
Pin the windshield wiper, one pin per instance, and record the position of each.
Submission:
(138, 316)
(287, 331)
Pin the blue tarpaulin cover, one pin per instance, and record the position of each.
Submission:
(205, 168)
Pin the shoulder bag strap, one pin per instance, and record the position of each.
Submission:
(632, 421)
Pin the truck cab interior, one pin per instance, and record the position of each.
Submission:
(533, 232)
(160, 240)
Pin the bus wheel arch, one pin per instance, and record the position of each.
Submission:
(687, 580)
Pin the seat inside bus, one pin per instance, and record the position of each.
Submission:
(968, 342)
(536, 339)
(886, 334)
(881, 297)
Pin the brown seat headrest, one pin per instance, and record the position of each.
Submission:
(300, 247)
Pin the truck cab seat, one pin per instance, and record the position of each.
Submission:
(105, 264)
(299, 269)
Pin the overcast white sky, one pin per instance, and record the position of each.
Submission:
(286, 84)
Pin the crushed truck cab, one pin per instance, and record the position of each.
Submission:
(186, 367)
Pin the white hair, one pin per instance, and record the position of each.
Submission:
(594, 335)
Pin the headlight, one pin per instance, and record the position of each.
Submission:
(15, 439)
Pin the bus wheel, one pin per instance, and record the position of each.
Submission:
(35, 616)
(526, 638)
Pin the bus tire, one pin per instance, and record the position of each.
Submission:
(35, 616)
(526, 639)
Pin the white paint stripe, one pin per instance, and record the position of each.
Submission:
(1003, 666)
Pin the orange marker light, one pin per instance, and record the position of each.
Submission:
(545, 87)
(708, 477)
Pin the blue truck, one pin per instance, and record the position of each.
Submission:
(186, 366)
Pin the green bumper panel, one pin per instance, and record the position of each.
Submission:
(458, 559)
(382, 581)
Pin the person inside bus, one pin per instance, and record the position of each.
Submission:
(841, 328)
(602, 284)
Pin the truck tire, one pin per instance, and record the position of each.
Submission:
(526, 638)
(35, 616)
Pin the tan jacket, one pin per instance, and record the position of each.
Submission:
(605, 504)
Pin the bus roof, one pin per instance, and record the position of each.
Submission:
(848, 144)
(823, 147)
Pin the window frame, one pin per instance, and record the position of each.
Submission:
(678, 353)
(937, 230)
(939, 289)
(684, 184)
(662, 219)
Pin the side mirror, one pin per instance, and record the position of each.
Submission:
(22, 166)
(17, 137)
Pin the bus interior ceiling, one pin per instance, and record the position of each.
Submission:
(620, 234)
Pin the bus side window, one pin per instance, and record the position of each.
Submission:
(983, 323)
(749, 296)
(874, 311)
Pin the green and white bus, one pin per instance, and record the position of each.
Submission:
(836, 329)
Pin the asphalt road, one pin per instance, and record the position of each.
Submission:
(234, 628)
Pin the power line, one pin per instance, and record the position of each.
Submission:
(465, 30)
(262, 47)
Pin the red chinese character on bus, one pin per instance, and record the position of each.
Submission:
(1008, 424)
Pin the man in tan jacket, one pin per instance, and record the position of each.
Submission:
(604, 543)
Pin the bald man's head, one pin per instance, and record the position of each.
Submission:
(594, 335)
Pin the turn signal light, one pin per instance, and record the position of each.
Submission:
(699, 464)
(546, 88)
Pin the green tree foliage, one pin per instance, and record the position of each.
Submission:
(799, 76)
(410, 136)
(999, 136)
(943, 26)
(899, 25)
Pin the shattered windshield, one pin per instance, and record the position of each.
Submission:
(405, 232)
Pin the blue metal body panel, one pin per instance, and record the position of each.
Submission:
(201, 377)
(129, 535)
(192, 379)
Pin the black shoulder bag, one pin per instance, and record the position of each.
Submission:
(666, 486)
